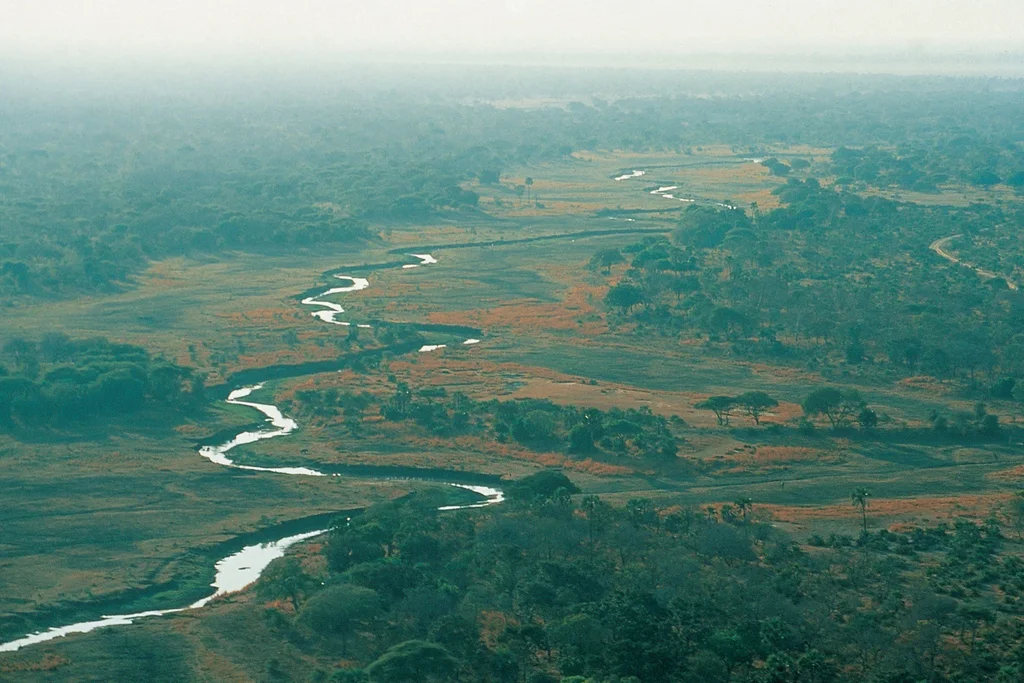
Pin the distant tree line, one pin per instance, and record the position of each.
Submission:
(962, 159)
(92, 194)
(829, 279)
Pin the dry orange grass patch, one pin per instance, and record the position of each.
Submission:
(785, 373)
(606, 396)
(283, 356)
(930, 508)
(168, 274)
(599, 468)
(774, 455)
(925, 383)
(766, 201)
(784, 412)
(1014, 474)
(531, 314)
(49, 662)
(741, 173)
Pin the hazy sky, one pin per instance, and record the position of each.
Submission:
(199, 27)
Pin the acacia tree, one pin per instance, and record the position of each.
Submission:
(859, 498)
(721, 406)
(838, 406)
(756, 403)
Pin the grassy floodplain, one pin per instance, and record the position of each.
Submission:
(124, 515)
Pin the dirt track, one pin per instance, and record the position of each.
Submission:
(939, 247)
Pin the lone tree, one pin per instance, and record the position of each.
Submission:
(859, 498)
(605, 259)
(529, 184)
(625, 295)
(838, 406)
(756, 403)
(721, 406)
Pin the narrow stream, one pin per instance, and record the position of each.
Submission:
(241, 569)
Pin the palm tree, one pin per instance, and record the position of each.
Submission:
(859, 497)
(712, 513)
(745, 505)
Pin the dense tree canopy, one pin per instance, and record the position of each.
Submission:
(57, 382)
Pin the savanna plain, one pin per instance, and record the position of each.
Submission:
(582, 377)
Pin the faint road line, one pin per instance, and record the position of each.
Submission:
(939, 247)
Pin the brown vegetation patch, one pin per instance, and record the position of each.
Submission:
(766, 201)
(532, 314)
(426, 235)
(1012, 475)
(740, 173)
(283, 356)
(606, 396)
(266, 317)
(925, 383)
(48, 662)
(931, 508)
(764, 455)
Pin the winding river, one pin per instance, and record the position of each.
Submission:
(239, 570)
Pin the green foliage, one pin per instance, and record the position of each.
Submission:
(827, 277)
(625, 295)
(60, 381)
(623, 592)
(543, 485)
(605, 259)
(339, 610)
(412, 661)
(721, 406)
(839, 406)
(534, 424)
(777, 167)
(925, 166)
(706, 226)
(756, 403)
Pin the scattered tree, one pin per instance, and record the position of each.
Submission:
(756, 403)
(721, 406)
(838, 406)
(859, 498)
